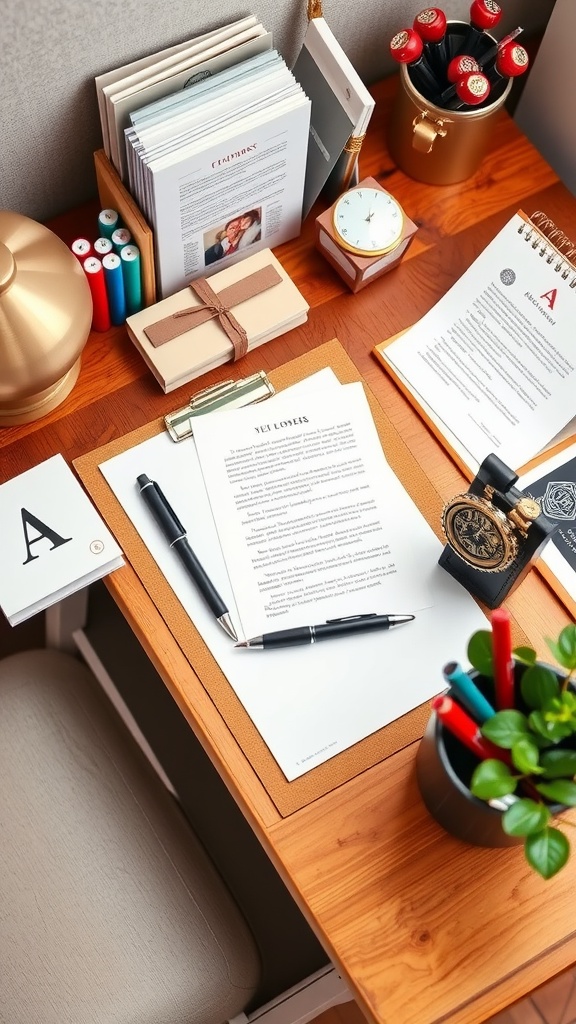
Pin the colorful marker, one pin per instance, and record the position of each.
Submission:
(502, 658)
(468, 692)
(95, 275)
(102, 246)
(115, 287)
(81, 248)
(120, 238)
(108, 221)
(130, 258)
(465, 729)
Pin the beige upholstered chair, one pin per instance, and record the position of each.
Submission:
(110, 911)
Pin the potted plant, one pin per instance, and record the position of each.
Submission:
(535, 778)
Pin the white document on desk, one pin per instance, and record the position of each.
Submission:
(310, 703)
(492, 363)
(313, 523)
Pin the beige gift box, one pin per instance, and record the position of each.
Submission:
(213, 322)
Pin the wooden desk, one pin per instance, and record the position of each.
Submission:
(424, 928)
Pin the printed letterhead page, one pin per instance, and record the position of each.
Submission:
(494, 358)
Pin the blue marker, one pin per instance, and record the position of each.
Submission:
(115, 287)
(468, 692)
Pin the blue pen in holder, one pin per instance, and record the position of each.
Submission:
(115, 287)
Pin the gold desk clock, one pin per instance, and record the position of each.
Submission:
(495, 533)
(364, 234)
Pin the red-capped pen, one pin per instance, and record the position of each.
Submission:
(460, 66)
(489, 57)
(502, 659)
(406, 47)
(512, 60)
(484, 15)
(471, 90)
(430, 24)
(457, 68)
(465, 729)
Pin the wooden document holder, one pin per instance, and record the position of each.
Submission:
(113, 195)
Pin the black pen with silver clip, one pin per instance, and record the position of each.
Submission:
(330, 630)
(175, 534)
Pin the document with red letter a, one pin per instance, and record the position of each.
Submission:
(491, 367)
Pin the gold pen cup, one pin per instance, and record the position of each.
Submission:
(433, 144)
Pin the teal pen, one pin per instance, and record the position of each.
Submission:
(130, 257)
(108, 221)
(120, 237)
(114, 287)
(468, 692)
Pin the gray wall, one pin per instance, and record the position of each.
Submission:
(51, 51)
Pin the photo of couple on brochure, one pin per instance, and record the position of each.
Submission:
(234, 236)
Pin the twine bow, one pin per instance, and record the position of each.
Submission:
(215, 304)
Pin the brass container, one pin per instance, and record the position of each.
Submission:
(435, 145)
(45, 319)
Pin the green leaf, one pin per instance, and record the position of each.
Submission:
(538, 685)
(526, 655)
(552, 731)
(564, 649)
(561, 791)
(558, 763)
(480, 652)
(525, 756)
(525, 817)
(505, 728)
(547, 851)
(492, 778)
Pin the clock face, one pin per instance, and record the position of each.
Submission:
(367, 221)
(479, 534)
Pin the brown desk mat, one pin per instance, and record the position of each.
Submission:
(287, 796)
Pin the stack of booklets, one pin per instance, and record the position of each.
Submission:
(53, 540)
(177, 348)
(219, 168)
(128, 88)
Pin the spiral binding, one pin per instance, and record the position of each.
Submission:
(551, 243)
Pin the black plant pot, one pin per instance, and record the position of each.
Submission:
(444, 769)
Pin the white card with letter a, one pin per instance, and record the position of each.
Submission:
(52, 540)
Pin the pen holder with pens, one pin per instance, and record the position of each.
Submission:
(436, 145)
(444, 769)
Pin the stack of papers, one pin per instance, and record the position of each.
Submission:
(297, 518)
(218, 169)
(124, 90)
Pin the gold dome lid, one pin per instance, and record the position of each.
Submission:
(45, 318)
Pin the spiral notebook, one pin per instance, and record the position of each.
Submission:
(491, 366)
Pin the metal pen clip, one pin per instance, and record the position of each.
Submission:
(353, 618)
(229, 394)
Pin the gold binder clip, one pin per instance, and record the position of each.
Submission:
(229, 394)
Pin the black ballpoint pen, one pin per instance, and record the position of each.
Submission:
(176, 536)
(329, 630)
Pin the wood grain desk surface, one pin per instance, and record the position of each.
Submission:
(424, 928)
